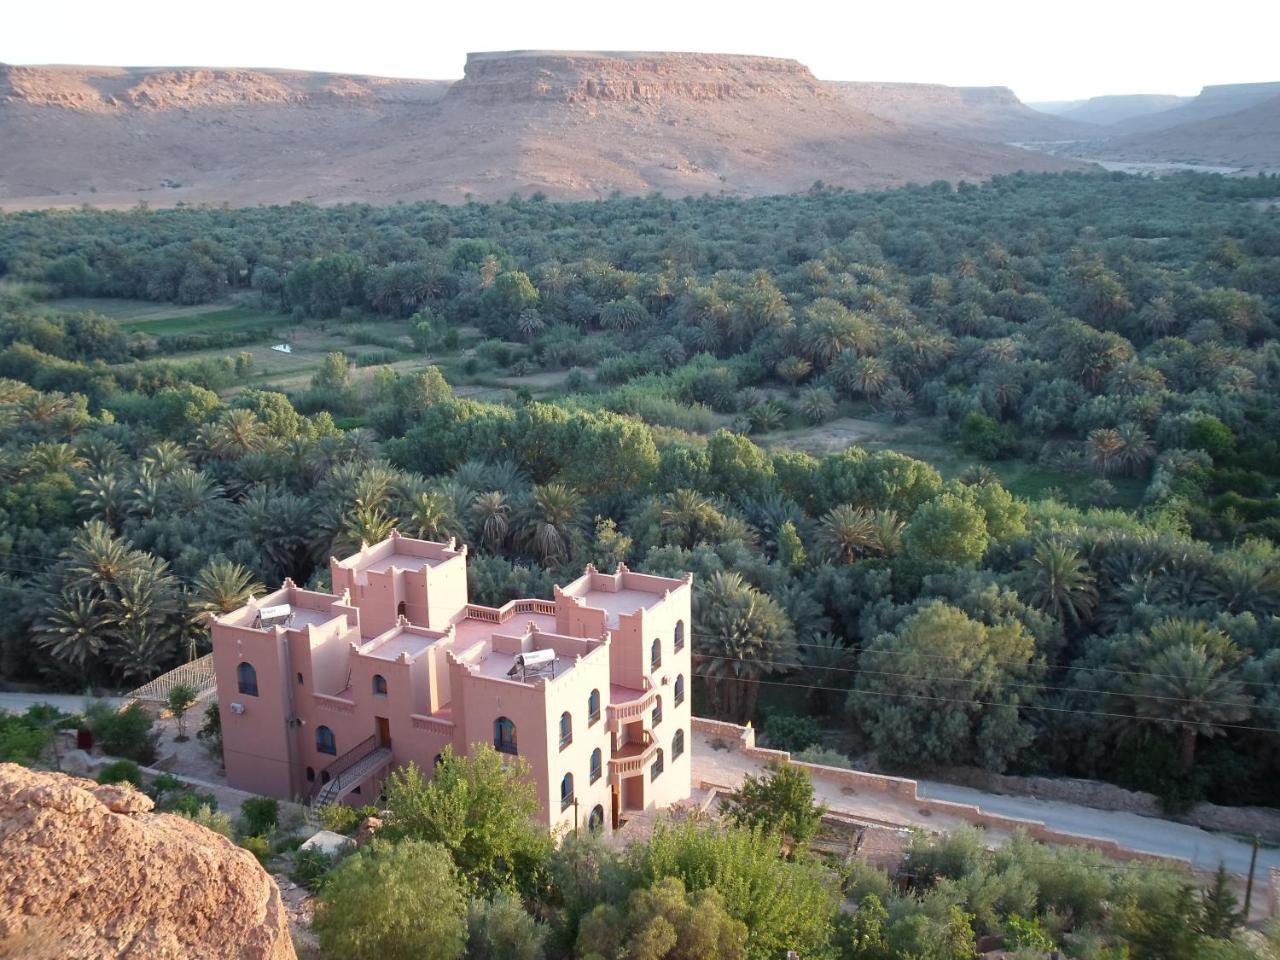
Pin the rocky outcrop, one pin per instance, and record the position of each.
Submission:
(569, 77)
(89, 871)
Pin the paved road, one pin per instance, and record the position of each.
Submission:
(1147, 834)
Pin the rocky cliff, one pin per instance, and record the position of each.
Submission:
(571, 125)
(88, 872)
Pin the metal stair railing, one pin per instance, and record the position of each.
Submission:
(343, 765)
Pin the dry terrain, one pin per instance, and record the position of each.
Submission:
(573, 125)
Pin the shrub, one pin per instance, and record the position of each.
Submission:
(259, 815)
(501, 929)
(188, 804)
(791, 732)
(124, 733)
(311, 868)
(209, 818)
(122, 771)
(824, 757)
(343, 819)
(390, 901)
(260, 847)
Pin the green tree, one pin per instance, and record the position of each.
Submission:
(397, 901)
(945, 689)
(182, 697)
(662, 922)
(947, 529)
(1058, 581)
(501, 929)
(1219, 910)
(741, 636)
(847, 533)
(781, 801)
(481, 808)
(785, 905)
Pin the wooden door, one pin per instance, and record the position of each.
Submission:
(384, 731)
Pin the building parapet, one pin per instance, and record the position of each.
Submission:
(432, 724)
(323, 701)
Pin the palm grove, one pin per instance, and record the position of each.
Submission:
(1117, 334)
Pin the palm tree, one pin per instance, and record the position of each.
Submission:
(550, 522)
(74, 633)
(817, 404)
(1105, 448)
(493, 512)
(899, 402)
(623, 315)
(189, 490)
(104, 497)
(165, 458)
(362, 524)
(1059, 582)
(1136, 450)
(870, 377)
(793, 369)
(846, 533)
(888, 527)
(222, 586)
(688, 516)
(431, 517)
(530, 323)
(765, 417)
(740, 636)
(1187, 692)
(826, 662)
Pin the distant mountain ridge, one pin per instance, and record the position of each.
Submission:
(985, 113)
(573, 125)
(1120, 108)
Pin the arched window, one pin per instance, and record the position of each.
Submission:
(593, 707)
(655, 654)
(677, 744)
(656, 716)
(247, 679)
(655, 771)
(595, 822)
(299, 679)
(679, 634)
(311, 774)
(566, 791)
(566, 729)
(504, 735)
(325, 742)
(379, 685)
(596, 765)
(679, 689)
(401, 610)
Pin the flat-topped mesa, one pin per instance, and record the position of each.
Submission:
(576, 77)
(116, 89)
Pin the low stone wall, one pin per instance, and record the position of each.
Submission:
(1260, 821)
(743, 739)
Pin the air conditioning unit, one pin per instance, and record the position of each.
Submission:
(237, 708)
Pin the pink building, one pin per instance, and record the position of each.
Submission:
(321, 694)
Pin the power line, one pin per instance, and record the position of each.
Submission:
(983, 703)
(1006, 683)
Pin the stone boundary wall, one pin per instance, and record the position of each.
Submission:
(743, 739)
(1262, 821)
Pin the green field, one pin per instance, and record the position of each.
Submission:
(159, 319)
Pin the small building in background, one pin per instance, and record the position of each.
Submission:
(322, 694)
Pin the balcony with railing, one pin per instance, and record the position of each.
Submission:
(633, 758)
(511, 608)
(624, 711)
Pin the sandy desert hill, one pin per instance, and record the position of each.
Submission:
(1120, 108)
(984, 113)
(573, 125)
(1248, 139)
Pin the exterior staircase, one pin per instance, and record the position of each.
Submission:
(350, 770)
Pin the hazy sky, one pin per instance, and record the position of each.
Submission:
(1061, 50)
